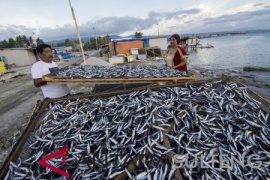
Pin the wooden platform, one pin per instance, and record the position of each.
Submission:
(59, 80)
(36, 117)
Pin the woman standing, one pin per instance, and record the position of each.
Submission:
(176, 55)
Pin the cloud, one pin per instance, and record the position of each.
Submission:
(103, 26)
(191, 20)
(176, 14)
(15, 30)
(238, 17)
(241, 20)
(259, 4)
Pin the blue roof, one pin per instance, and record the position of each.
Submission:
(59, 47)
(129, 39)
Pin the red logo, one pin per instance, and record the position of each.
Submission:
(61, 153)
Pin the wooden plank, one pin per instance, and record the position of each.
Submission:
(171, 154)
(118, 80)
(51, 79)
(132, 166)
(125, 82)
(167, 144)
(54, 78)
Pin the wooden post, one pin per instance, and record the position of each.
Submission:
(78, 32)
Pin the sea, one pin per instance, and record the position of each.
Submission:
(233, 52)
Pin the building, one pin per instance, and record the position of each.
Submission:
(63, 48)
(159, 41)
(20, 56)
(123, 46)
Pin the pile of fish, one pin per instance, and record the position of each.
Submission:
(119, 72)
(147, 129)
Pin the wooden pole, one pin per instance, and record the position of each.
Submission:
(77, 28)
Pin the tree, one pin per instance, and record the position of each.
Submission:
(33, 46)
(31, 41)
(59, 44)
(87, 46)
(99, 41)
(4, 44)
(68, 42)
(93, 43)
(19, 42)
(138, 34)
(25, 41)
(107, 39)
(11, 43)
(39, 41)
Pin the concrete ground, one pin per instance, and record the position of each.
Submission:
(18, 96)
(93, 61)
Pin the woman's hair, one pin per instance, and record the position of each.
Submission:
(41, 47)
(177, 37)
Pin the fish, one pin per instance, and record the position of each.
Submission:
(106, 134)
(118, 72)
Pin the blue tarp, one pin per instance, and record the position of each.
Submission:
(66, 56)
(59, 47)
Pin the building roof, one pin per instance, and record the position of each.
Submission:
(62, 47)
(129, 39)
(158, 37)
(59, 47)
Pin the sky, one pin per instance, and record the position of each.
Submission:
(52, 19)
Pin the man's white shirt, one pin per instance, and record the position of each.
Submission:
(41, 68)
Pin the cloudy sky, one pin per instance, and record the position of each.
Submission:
(52, 19)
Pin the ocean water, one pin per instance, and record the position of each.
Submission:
(235, 52)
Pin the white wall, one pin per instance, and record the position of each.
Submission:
(19, 57)
(160, 42)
